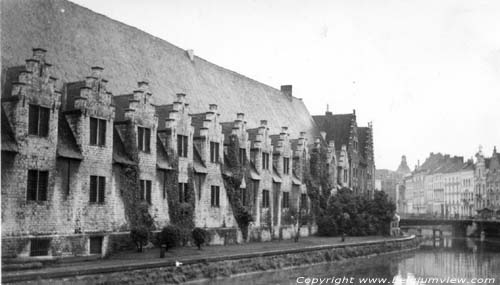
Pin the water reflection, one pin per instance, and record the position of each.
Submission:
(444, 259)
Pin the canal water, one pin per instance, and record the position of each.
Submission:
(449, 261)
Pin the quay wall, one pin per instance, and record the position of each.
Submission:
(203, 268)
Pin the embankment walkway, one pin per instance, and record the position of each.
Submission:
(150, 258)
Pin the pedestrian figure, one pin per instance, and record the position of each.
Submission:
(343, 237)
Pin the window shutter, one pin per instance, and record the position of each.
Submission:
(93, 131)
(44, 121)
(102, 132)
(32, 185)
(148, 191)
(180, 193)
(141, 193)
(33, 120)
(179, 145)
(140, 138)
(212, 195)
(102, 188)
(43, 177)
(147, 133)
(185, 146)
(93, 189)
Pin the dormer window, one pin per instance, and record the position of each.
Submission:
(144, 139)
(182, 145)
(38, 121)
(214, 152)
(243, 156)
(97, 132)
(286, 165)
(265, 160)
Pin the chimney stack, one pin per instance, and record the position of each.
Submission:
(190, 54)
(287, 90)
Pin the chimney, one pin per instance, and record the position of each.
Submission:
(96, 71)
(328, 110)
(284, 129)
(263, 123)
(240, 116)
(287, 90)
(190, 54)
(39, 54)
(213, 107)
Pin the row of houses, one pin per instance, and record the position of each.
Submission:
(66, 154)
(448, 186)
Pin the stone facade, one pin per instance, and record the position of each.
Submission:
(67, 157)
(354, 148)
(451, 187)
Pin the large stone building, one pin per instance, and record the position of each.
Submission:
(354, 145)
(87, 151)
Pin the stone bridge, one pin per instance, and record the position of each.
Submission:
(460, 226)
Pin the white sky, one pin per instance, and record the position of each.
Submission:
(426, 72)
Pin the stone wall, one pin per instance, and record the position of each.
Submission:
(195, 269)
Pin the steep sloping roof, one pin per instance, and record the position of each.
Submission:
(66, 142)
(120, 154)
(337, 127)
(77, 38)
(161, 156)
(8, 139)
(121, 103)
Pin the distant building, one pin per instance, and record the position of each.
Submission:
(354, 148)
(451, 187)
(391, 182)
(487, 181)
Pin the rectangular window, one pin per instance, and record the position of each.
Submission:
(95, 245)
(146, 190)
(214, 152)
(214, 198)
(285, 202)
(303, 201)
(66, 178)
(265, 198)
(182, 145)
(183, 193)
(97, 189)
(38, 120)
(39, 247)
(97, 131)
(37, 185)
(286, 165)
(143, 139)
(265, 160)
(243, 156)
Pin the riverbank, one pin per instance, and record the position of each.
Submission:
(211, 262)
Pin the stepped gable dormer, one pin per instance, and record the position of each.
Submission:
(208, 136)
(136, 123)
(300, 155)
(237, 127)
(174, 127)
(282, 150)
(36, 87)
(91, 96)
(260, 143)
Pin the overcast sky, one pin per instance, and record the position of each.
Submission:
(426, 73)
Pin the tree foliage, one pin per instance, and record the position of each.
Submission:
(234, 173)
(356, 215)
